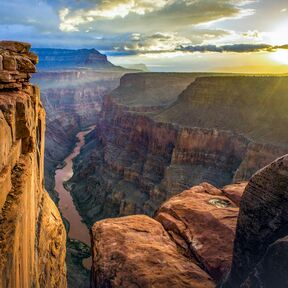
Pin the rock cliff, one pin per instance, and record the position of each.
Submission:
(32, 235)
(72, 100)
(260, 250)
(159, 134)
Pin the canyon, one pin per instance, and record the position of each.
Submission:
(183, 151)
(171, 131)
(73, 84)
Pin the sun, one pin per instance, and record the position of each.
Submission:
(281, 56)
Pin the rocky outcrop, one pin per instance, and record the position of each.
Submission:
(271, 271)
(53, 59)
(191, 237)
(136, 251)
(154, 140)
(32, 235)
(260, 243)
(202, 222)
(235, 191)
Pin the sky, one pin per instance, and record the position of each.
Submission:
(249, 36)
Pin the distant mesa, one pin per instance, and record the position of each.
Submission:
(58, 59)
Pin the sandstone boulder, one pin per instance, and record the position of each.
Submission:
(202, 221)
(136, 251)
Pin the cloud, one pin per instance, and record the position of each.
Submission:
(128, 16)
(236, 48)
(29, 13)
(108, 9)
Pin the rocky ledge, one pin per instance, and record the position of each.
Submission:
(189, 243)
(16, 64)
(135, 251)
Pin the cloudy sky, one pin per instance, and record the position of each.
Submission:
(166, 35)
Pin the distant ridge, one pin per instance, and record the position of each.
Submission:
(58, 59)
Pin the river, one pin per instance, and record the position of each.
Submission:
(78, 229)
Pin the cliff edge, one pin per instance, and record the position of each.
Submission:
(32, 235)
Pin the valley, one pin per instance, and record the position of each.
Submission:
(168, 132)
(161, 179)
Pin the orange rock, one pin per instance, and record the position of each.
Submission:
(235, 191)
(202, 221)
(136, 251)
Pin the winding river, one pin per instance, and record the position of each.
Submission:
(78, 229)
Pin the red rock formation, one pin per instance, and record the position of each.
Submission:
(262, 221)
(235, 191)
(152, 143)
(202, 222)
(136, 251)
(32, 235)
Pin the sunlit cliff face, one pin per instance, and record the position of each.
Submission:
(166, 35)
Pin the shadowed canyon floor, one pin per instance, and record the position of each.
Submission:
(77, 230)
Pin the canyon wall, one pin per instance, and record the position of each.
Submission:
(32, 235)
(72, 100)
(73, 84)
(159, 134)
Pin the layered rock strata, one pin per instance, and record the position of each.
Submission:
(72, 100)
(160, 134)
(32, 235)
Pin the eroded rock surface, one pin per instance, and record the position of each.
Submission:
(202, 222)
(136, 251)
(261, 226)
(193, 231)
(32, 235)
